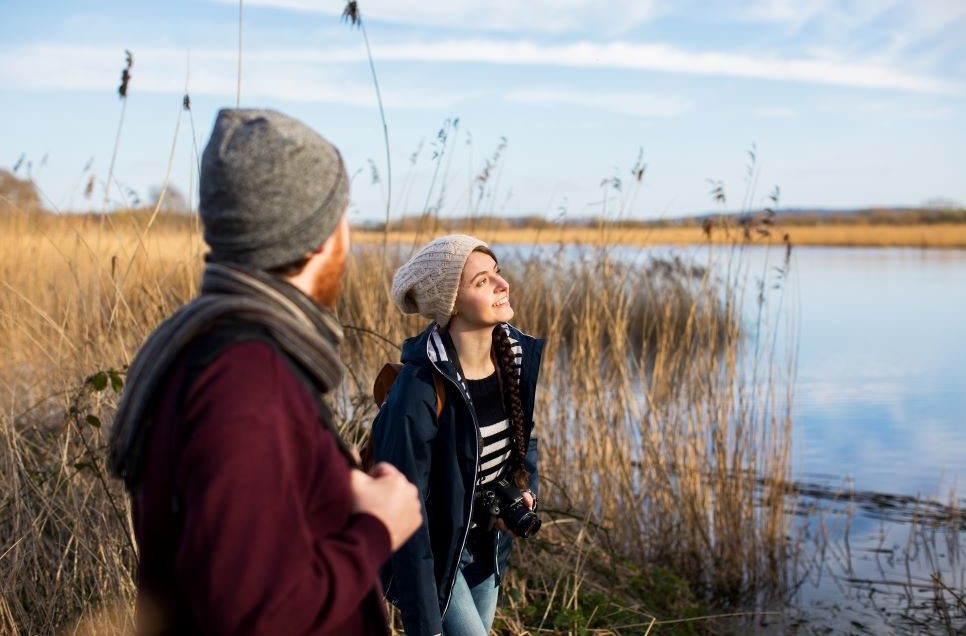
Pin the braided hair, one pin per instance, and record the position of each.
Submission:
(510, 384)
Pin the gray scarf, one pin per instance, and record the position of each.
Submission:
(303, 330)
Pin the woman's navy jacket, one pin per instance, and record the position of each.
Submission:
(441, 458)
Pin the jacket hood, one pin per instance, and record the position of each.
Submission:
(429, 349)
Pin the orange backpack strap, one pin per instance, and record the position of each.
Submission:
(440, 393)
(384, 379)
(380, 389)
(388, 374)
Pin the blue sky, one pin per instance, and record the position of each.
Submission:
(844, 103)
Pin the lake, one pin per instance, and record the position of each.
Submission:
(879, 404)
(880, 398)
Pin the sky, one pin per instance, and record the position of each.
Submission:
(564, 109)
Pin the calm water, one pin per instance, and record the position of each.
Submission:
(880, 404)
(879, 411)
(881, 389)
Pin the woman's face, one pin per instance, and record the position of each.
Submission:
(483, 297)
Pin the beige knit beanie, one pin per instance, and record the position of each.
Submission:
(428, 282)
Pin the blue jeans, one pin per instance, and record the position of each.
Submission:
(471, 609)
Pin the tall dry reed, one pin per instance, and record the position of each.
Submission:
(78, 298)
(651, 437)
(654, 430)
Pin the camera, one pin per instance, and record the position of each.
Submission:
(504, 500)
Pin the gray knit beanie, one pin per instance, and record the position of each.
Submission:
(272, 189)
(428, 282)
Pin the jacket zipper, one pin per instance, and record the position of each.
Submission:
(466, 533)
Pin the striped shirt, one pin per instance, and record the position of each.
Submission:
(494, 427)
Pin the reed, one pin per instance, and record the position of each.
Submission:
(652, 432)
(78, 298)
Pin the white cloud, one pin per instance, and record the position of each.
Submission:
(639, 104)
(303, 72)
(794, 13)
(912, 19)
(776, 113)
(841, 24)
(532, 16)
(293, 74)
(665, 58)
(886, 34)
(885, 29)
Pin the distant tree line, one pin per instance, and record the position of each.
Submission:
(795, 218)
(20, 195)
(17, 194)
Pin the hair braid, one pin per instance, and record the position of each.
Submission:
(513, 405)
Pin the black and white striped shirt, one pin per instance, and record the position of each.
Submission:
(494, 427)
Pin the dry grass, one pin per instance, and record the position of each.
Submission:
(949, 235)
(651, 432)
(78, 298)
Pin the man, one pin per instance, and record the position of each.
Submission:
(249, 515)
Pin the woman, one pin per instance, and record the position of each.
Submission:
(477, 450)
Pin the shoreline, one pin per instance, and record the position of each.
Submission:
(927, 236)
(950, 236)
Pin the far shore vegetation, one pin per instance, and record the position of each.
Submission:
(720, 232)
(940, 227)
(940, 224)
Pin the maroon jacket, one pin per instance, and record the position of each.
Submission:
(244, 519)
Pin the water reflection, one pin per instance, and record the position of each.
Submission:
(881, 364)
(878, 408)
(878, 405)
(881, 367)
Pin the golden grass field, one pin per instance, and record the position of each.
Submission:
(81, 295)
(947, 235)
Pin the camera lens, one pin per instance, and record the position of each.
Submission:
(528, 525)
(519, 519)
(522, 521)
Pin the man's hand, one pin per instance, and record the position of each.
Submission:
(387, 495)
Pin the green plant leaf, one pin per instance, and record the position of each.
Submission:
(93, 420)
(99, 381)
(117, 382)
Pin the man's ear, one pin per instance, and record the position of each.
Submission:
(339, 235)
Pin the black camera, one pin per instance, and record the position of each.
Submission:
(504, 500)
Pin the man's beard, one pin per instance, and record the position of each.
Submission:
(328, 280)
(326, 287)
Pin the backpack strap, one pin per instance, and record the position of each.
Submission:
(387, 376)
(383, 382)
(440, 393)
(380, 389)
